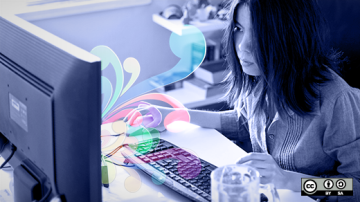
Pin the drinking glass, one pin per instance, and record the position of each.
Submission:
(239, 183)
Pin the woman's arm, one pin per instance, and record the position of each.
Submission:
(226, 121)
(206, 119)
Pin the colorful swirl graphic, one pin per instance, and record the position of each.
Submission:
(132, 114)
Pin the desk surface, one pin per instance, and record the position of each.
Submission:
(207, 144)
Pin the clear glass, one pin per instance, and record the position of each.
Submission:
(239, 183)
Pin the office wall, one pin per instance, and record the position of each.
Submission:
(129, 32)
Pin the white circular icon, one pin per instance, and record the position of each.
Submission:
(340, 184)
(310, 186)
(328, 184)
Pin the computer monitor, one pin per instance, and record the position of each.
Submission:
(50, 110)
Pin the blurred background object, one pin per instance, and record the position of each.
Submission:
(200, 10)
(172, 12)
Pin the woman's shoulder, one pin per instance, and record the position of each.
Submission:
(335, 90)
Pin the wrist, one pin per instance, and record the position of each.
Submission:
(291, 181)
(285, 181)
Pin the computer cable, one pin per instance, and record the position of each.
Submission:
(124, 165)
(6, 166)
(112, 135)
(112, 153)
(13, 149)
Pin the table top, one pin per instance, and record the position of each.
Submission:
(207, 144)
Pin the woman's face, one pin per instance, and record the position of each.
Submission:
(243, 41)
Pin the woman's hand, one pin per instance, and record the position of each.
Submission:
(149, 116)
(269, 170)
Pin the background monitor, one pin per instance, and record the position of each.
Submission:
(50, 109)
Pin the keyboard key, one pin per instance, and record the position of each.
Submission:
(187, 185)
(201, 187)
(168, 160)
(208, 198)
(192, 181)
(183, 158)
(198, 192)
(172, 175)
(211, 168)
(162, 163)
(193, 188)
(198, 184)
(152, 163)
(154, 158)
(177, 178)
(166, 172)
(168, 167)
(204, 195)
(188, 167)
(166, 145)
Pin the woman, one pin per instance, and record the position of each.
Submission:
(303, 118)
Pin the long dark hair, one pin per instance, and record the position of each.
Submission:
(290, 49)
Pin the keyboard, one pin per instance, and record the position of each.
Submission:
(173, 167)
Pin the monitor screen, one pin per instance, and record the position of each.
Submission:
(50, 104)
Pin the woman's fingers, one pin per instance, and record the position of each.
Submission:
(146, 115)
(147, 121)
(256, 164)
(253, 156)
(132, 117)
(156, 116)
